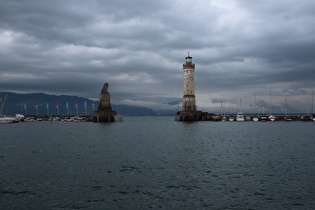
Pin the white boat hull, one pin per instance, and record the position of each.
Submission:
(240, 117)
(5, 120)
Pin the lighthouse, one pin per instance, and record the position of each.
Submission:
(189, 109)
(189, 101)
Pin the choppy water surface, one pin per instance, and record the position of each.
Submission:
(155, 162)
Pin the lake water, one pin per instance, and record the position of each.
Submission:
(155, 162)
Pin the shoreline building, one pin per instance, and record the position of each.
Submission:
(189, 109)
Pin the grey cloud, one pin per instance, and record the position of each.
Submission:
(138, 46)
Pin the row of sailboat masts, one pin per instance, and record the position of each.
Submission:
(263, 108)
(270, 104)
(286, 105)
(310, 111)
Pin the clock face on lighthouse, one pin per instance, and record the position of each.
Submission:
(191, 78)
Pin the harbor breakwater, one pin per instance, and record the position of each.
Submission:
(214, 117)
(232, 118)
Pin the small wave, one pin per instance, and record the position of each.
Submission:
(18, 192)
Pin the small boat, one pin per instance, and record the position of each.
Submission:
(78, 119)
(248, 118)
(306, 118)
(66, 119)
(240, 117)
(19, 117)
(223, 119)
(29, 119)
(288, 119)
(271, 118)
(231, 119)
(216, 117)
(5, 119)
(255, 119)
(263, 118)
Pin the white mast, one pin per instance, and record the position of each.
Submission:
(286, 107)
(270, 103)
(312, 102)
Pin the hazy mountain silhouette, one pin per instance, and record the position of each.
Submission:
(31, 103)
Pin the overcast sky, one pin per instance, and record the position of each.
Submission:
(241, 49)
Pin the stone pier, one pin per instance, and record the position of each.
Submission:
(193, 116)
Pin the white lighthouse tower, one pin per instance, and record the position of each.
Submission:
(189, 102)
(189, 111)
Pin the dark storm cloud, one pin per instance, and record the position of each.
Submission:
(240, 48)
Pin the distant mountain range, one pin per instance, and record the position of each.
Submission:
(43, 104)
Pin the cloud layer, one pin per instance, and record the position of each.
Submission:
(240, 48)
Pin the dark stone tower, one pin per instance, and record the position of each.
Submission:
(104, 111)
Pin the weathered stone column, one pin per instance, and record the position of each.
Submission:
(104, 111)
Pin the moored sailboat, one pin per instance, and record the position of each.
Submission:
(271, 117)
(5, 119)
(255, 119)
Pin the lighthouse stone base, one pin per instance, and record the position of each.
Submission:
(193, 116)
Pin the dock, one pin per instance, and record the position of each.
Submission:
(68, 118)
(204, 116)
